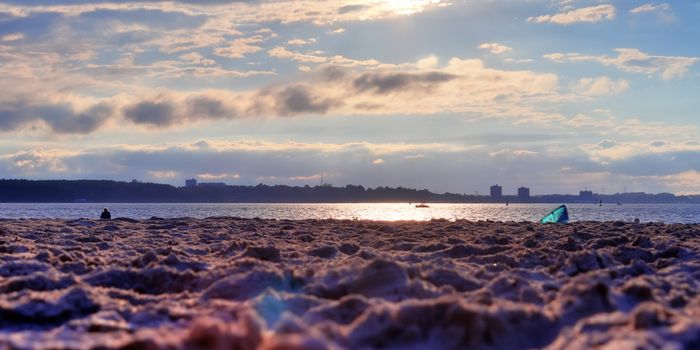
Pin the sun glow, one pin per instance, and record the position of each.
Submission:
(410, 7)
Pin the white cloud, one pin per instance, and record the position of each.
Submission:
(495, 48)
(599, 86)
(320, 13)
(429, 62)
(282, 52)
(611, 126)
(224, 176)
(635, 61)
(591, 14)
(683, 183)
(610, 150)
(513, 153)
(12, 37)
(240, 47)
(651, 8)
(250, 161)
(663, 10)
(518, 61)
(299, 42)
(163, 174)
(198, 59)
(364, 87)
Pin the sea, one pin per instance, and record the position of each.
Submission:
(667, 213)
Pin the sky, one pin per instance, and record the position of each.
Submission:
(450, 96)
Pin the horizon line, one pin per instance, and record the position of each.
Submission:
(464, 194)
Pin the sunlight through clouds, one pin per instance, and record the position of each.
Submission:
(593, 87)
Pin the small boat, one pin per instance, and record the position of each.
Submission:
(422, 205)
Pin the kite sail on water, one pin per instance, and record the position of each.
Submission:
(559, 215)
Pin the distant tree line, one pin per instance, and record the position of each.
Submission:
(104, 191)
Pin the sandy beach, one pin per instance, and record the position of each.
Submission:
(227, 283)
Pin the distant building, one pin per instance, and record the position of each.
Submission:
(496, 191)
(191, 183)
(523, 193)
(585, 196)
(212, 184)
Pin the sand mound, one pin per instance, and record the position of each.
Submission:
(223, 283)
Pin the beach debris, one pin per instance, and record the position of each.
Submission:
(560, 215)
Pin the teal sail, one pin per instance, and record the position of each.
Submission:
(559, 215)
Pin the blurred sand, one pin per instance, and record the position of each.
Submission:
(227, 283)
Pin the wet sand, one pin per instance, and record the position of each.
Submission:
(227, 283)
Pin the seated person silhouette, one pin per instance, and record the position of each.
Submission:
(106, 215)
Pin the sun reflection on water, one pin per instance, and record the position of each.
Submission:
(360, 211)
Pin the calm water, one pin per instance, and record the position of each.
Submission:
(368, 211)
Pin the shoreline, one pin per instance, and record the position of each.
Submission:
(336, 284)
(610, 204)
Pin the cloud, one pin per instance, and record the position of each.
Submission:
(197, 59)
(337, 86)
(351, 8)
(607, 144)
(282, 52)
(591, 14)
(251, 161)
(495, 48)
(92, 2)
(299, 42)
(240, 47)
(518, 61)
(80, 123)
(651, 8)
(635, 61)
(12, 37)
(254, 161)
(383, 83)
(658, 163)
(204, 107)
(616, 151)
(609, 125)
(320, 13)
(219, 177)
(600, 86)
(663, 10)
(60, 118)
(151, 113)
(163, 174)
(241, 161)
(683, 183)
(466, 87)
(168, 110)
(512, 154)
(297, 99)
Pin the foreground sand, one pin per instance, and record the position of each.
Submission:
(223, 283)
